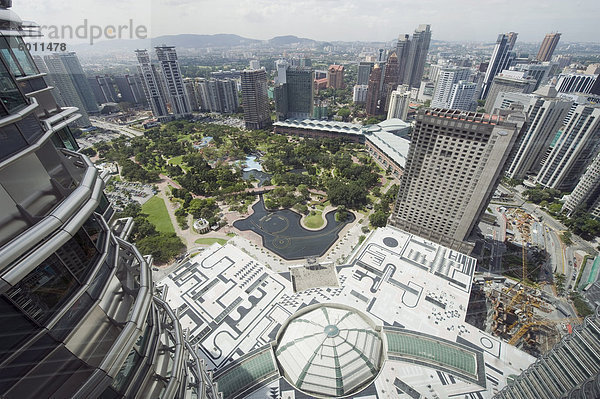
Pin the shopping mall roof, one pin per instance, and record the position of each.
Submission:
(246, 322)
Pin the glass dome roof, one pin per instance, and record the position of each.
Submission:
(329, 351)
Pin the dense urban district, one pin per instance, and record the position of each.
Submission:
(220, 217)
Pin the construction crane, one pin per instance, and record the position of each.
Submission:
(526, 327)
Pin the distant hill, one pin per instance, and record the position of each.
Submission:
(289, 39)
(203, 41)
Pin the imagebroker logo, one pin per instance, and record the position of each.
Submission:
(92, 32)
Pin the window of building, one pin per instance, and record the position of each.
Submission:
(16, 56)
(11, 97)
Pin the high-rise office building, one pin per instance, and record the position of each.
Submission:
(281, 67)
(81, 317)
(447, 84)
(359, 94)
(256, 99)
(65, 92)
(364, 71)
(578, 83)
(545, 115)
(80, 82)
(540, 72)
(373, 91)
(295, 98)
(572, 149)
(412, 54)
(151, 86)
(501, 59)
(586, 195)
(508, 81)
(548, 46)
(335, 76)
(512, 39)
(399, 102)
(463, 96)
(171, 73)
(454, 164)
(254, 64)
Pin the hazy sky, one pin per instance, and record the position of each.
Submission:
(368, 20)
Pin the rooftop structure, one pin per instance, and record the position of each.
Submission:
(394, 325)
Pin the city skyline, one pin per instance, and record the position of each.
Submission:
(353, 21)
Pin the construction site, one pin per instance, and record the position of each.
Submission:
(519, 307)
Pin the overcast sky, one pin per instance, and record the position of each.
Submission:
(329, 20)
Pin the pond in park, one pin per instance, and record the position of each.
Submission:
(283, 234)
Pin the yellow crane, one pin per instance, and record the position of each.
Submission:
(526, 327)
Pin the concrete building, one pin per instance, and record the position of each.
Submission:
(295, 98)
(593, 69)
(81, 314)
(411, 55)
(255, 99)
(254, 64)
(388, 142)
(359, 94)
(548, 46)
(574, 146)
(501, 60)
(281, 67)
(80, 82)
(454, 164)
(151, 86)
(540, 72)
(463, 96)
(189, 85)
(426, 91)
(171, 73)
(219, 95)
(103, 89)
(447, 88)
(512, 39)
(335, 77)
(131, 89)
(399, 102)
(364, 71)
(577, 83)
(508, 81)
(65, 93)
(586, 195)
(373, 92)
(545, 115)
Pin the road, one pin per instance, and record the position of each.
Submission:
(129, 132)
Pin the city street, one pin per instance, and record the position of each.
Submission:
(129, 132)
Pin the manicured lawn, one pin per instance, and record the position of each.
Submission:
(210, 241)
(176, 160)
(314, 221)
(157, 214)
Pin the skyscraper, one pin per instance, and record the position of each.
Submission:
(151, 86)
(399, 101)
(256, 99)
(501, 58)
(512, 39)
(373, 91)
(544, 117)
(572, 149)
(80, 314)
(169, 65)
(577, 83)
(189, 85)
(295, 98)
(102, 87)
(219, 95)
(65, 92)
(446, 84)
(548, 46)
(412, 54)
(586, 195)
(80, 82)
(335, 76)
(454, 165)
(508, 81)
(131, 89)
(364, 71)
